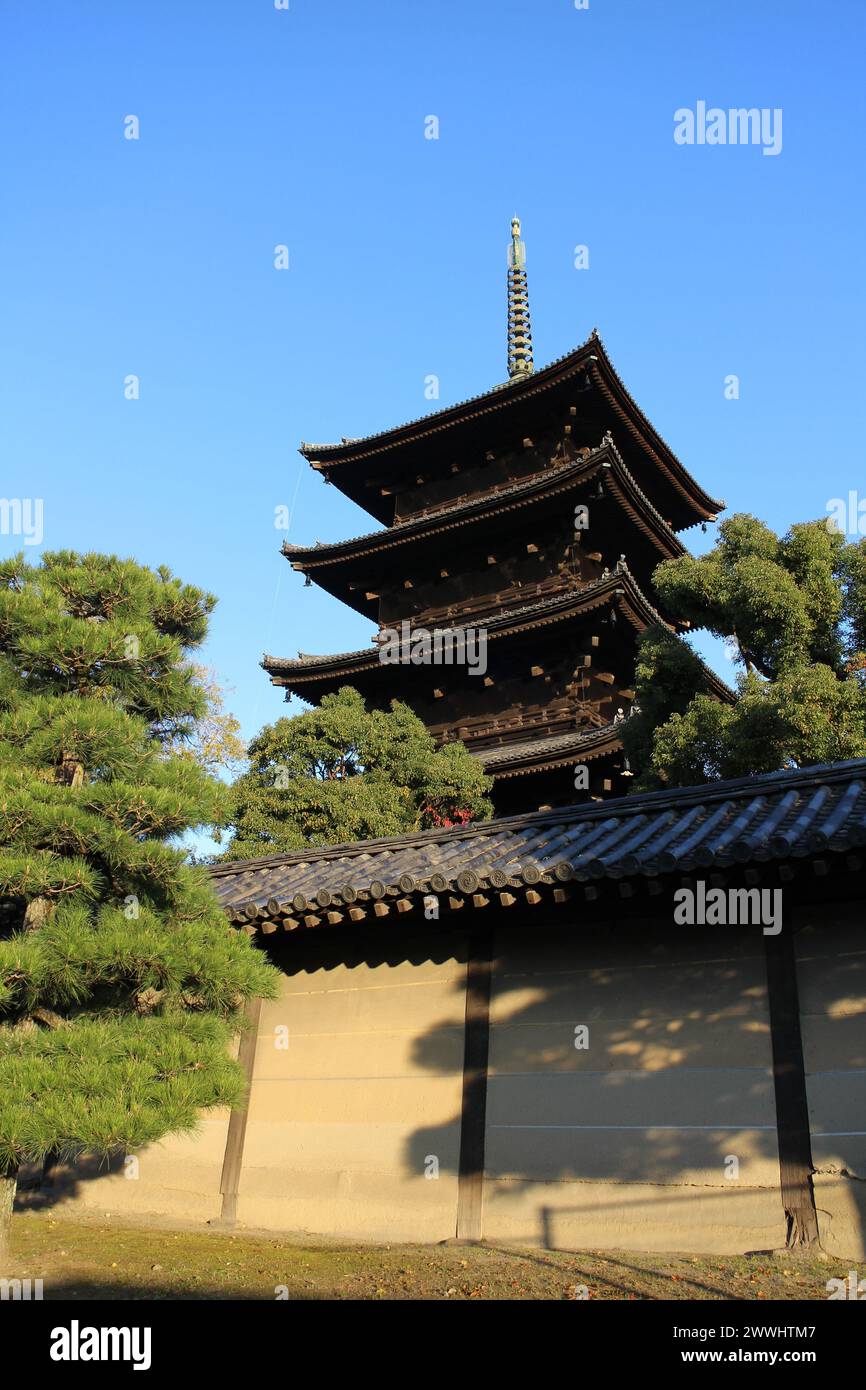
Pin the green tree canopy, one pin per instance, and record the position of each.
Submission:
(120, 980)
(341, 772)
(794, 612)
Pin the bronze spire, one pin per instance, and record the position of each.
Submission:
(519, 331)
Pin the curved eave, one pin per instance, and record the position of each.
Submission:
(611, 384)
(590, 355)
(548, 754)
(328, 560)
(500, 397)
(619, 588)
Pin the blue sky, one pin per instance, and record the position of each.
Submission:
(306, 127)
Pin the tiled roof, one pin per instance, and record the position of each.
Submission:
(620, 585)
(591, 353)
(458, 512)
(548, 750)
(777, 820)
(620, 580)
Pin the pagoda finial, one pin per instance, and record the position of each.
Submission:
(519, 331)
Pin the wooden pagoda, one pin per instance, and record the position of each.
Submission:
(534, 513)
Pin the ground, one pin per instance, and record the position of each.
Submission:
(99, 1259)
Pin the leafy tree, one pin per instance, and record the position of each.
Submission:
(121, 982)
(793, 610)
(342, 772)
(215, 742)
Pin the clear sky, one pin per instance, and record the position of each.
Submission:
(305, 127)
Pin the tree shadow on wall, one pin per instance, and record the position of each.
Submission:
(669, 1091)
(50, 1184)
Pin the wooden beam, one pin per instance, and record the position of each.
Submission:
(473, 1110)
(789, 1079)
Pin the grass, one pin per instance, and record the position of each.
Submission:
(90, 1259)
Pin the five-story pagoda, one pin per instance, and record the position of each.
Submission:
(534, 516)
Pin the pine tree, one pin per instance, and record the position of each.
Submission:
(341, 772)
(121, 983)
(793, 610)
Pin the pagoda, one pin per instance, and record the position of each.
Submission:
(533, 514)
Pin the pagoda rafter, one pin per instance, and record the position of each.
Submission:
(618, 589)
(335, 566)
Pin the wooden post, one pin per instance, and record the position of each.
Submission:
(789, 1078)
(234, 1154)
(470, 1187)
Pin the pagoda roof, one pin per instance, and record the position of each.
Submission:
(619, 587)
(802, 825)
(438, 428)
(525, 492)
(543, 754)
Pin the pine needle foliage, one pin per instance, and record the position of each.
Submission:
(121, 981)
